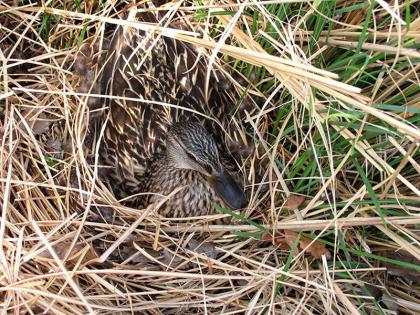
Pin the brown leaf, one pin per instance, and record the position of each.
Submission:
(204, 248)
(62, 249)
(286, 240)
(293, 202)
(171, 260)
(290, 238)
(316, 249)
(38, 122)
(55, 144)
(278, 240)
(267, 236)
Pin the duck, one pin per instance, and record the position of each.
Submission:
(162, 132)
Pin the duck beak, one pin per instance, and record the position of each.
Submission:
(227, 189)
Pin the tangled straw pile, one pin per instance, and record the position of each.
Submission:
(337, 87)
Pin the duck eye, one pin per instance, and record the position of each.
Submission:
(204, 165)
(191, 157)
(208, 168)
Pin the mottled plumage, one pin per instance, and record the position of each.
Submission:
(163, 176)
(163, 83)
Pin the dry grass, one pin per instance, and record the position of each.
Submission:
(338, 124)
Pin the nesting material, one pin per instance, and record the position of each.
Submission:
(332, 127)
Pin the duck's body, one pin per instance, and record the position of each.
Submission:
(156, 84)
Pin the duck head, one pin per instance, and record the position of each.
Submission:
(190, 146)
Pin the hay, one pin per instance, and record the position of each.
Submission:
(69, 247)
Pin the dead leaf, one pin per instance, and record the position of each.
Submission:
(204, 248)
(293, 202)
(278, 240)
(55, 144)
(287, 238)
(171, 260)
(38, 122)
(315, 248)
(62, 249)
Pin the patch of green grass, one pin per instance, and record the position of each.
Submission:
(82, 35)
(52, 162)
(240, 217)
(361, 253)
(45, 27)
(288, 263)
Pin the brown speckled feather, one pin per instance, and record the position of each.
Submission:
(146, 70)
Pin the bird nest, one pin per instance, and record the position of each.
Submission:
(329, 228)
